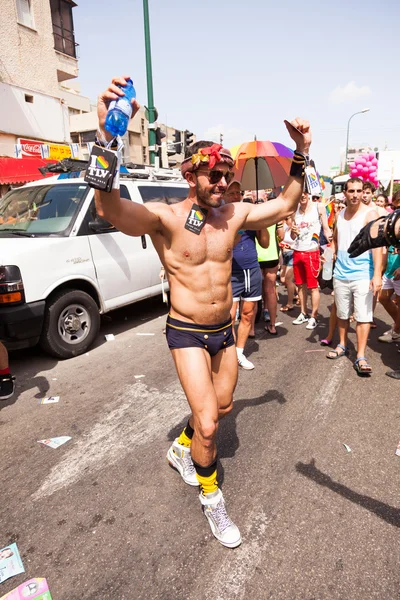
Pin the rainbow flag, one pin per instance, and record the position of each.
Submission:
(330, 213)
(315, 238)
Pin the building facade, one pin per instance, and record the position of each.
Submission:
(38, 55)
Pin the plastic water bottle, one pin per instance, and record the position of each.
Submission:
(327, 268)
(120, 110)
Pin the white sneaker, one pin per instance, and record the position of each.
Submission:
(180, 458)
(312, 323)
(244, 363)
(222, 527)
(389, 337)
(302, 318)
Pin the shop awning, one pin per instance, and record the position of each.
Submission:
(21, 170)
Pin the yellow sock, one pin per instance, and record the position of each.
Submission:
(184, 440)
(208, 484)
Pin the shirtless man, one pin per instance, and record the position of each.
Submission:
(199, 327)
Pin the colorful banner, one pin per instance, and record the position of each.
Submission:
(32, 148)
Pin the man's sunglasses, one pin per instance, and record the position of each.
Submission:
(216, 175)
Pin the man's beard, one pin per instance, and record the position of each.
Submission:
(205, 196)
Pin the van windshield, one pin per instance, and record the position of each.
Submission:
(41, 210)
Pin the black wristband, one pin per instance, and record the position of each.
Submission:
(298, 165)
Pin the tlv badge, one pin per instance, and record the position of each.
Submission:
(196, 219)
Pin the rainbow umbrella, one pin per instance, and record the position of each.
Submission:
(261, 165)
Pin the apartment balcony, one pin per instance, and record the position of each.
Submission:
(67, 53)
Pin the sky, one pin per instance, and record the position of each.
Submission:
(240, 69)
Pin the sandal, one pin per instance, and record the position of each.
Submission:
(286, 308)
(338, 354)
(362, 370)
(268, 330)
(325, 342)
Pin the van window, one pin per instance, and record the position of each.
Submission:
(166, 194)
(44, 209)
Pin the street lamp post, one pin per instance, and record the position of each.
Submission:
(364, 110)
(149, 73)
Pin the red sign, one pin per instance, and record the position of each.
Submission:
(31, 148)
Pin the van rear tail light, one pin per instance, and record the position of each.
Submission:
(11, 285)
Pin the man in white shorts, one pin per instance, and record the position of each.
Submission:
(355, 280)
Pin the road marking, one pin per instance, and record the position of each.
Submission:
(235, 571)
(118, 432)
(330, 389)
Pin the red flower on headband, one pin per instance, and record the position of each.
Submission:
(213, 154)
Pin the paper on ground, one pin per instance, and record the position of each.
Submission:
(50, 400)
(347, 447)
(110, 337)
(139, 376)
(56, 441)
(10, 562)
(145, 334)
(36, 589)
(398, 449)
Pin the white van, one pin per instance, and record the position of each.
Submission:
(61, 265)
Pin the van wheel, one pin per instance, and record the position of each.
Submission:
(71, 324)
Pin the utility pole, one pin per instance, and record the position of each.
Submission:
(149, 74)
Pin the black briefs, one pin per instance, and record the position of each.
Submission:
(213, 338)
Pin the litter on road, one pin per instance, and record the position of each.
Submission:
(10, 562)
(56, 441)
(347, 447)
(278, 323)
(110, 337)
(50, 400)
(398, 449)
(36, 589)
(145, 334)
(139, 376)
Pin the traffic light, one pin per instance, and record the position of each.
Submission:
(160, 135)
(188, 138)
(178, 141)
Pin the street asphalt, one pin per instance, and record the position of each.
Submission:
(104, 517)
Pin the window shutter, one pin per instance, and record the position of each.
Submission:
(24, 12)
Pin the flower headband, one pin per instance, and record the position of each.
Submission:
(211, 155)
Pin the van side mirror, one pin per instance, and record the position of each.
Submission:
(101, 226)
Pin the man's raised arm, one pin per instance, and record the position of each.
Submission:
(264, 215)
(129, 217)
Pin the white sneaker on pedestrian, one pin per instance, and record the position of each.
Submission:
(312, 323)
(244, 362)
(221, 525)
(302, 318)
(180, 458)
(389, 337)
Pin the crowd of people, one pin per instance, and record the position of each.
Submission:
(295, 247)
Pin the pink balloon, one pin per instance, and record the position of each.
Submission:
(368, 163)
(371, 155)
(374, 161)
(351, 165)
(362, 161)
(372, 169)
(366, 170)
(354, 172)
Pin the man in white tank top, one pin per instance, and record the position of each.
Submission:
(355, 280)
(307, 222)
